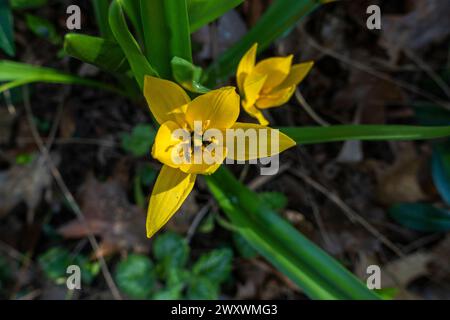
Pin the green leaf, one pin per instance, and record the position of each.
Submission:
(387, 293)
(105, 54)
(275, 200)
(202, 12)
(169, 293)
(201, 288)
(309, 135)
(215, 265)
(317, 273)
(138, 63)
(188, 75)
(171, 250)
(135, 276)
(176, 14)
(243, 247)
(133, 11)
(156, 35)
(20, 74)
(42, 28)
(440, 169)
(101, 8)
(421, 217)
(54, 263)
(6, 29)
(89, 270)
(279, 17)
(139, 141)
(27, 4)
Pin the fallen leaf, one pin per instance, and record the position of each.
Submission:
(24, 183)
(109, 215)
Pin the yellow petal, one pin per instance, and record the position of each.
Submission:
(296, 75)
(246, 65)
(253, 85)
(255, 113)
(277, 69)
(170, 190)
(165, 142)
(217, 109)
(259, 142)
(276, 98)
(165, 99)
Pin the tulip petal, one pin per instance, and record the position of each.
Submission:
(296, 75)
(253, 85)
(277, 69)
(257, 140)
(275, 99)
(253, 111)
(245, 67)
(165, 142)
(165, 98)
(171, 189)
(217, 109)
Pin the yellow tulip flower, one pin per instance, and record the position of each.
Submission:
(174, 110)
(270, 83)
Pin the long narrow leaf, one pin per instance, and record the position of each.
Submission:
(280, 17)
(156, 34)
(132, 9)
(317, 273)
(18, 74)
(101, 8)
(202, 12)
(176, 14)
(138, 63)
(308, 135)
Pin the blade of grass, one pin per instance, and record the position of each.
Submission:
(279, 17)
(308, 135)
(202, 12)
(138, 63)
(176, 14)
(18, 74)
(156, 34)
(317, 273)
(132, 9)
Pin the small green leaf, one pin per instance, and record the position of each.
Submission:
(169, 293)
(42, 28)
(6, 29)
(421, 217)
(171, 250)
(440, 169)
(135, 276)
(188, 75)
(177, 276)
(215, 265)
(275, 200)
(201, 288)
(54, 263)
(140, 140)
(89, 270)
